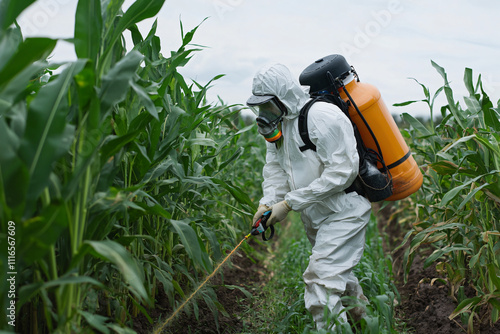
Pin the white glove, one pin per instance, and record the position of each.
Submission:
(260, 211)
(279, 212)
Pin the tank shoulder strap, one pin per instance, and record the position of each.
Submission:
(303, 130)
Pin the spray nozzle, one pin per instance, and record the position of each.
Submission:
(260, 226)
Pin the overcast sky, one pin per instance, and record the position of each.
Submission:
(387, 41)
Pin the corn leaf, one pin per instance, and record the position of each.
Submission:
(490, 116)
(88, 29)
(468, 81)
(464, 306)
(116, 83)
(492, 271)
(166, 280)
(487, 143)
(449, 96)
(242, 289)
(13, 171)
(31, 50)
(119, 256)
(178, 288)
(138, 11)
(475, 258)
(471, 195)
(110, 9)
(146, 100)
(96, 321)
(42, 233)
(445, 250)
(189, 239)
(235, 156)
(9, 44)
(402, 104)
(49, 136)
(416, 124)
(496, 308)
(444, 167)
(10, 10)
(201, 142)
(28, 291)
(212, 238)
(210, 299)
(450, 195)
(236, 192)
(472, 104)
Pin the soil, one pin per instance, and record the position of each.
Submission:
(426, 301)
(425, 304)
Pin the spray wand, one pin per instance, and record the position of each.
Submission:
(259, 227)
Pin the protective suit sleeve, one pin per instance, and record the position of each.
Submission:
(332, 133)
(275, 185)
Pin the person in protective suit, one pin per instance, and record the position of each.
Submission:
(312, 183)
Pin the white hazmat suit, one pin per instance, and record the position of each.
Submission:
(313, 184)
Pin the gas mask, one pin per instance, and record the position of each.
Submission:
(269, 111)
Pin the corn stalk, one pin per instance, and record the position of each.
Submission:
(120, 177)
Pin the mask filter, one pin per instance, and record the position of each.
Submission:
(270, 130)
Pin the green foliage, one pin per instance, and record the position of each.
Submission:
(375, 275)
(120, 178)
(460, 197)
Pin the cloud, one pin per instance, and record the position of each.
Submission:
(386, 40)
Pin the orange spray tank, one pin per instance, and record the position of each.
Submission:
(369, 113)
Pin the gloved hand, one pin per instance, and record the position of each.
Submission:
(279, 212)
(260, 211)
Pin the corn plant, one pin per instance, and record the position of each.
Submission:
(460, 197)
(61, 127)
(119, 176)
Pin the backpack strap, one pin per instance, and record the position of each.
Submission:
(363, 152)
(303, 130)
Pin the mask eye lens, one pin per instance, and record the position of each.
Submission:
(270, 110)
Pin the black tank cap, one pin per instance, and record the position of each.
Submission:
(315, 75)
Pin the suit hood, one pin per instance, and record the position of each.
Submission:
(276, 79)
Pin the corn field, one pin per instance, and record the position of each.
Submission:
(457, 209)
(119, 178)
(118, 181)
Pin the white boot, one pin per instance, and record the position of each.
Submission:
(359, 312)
